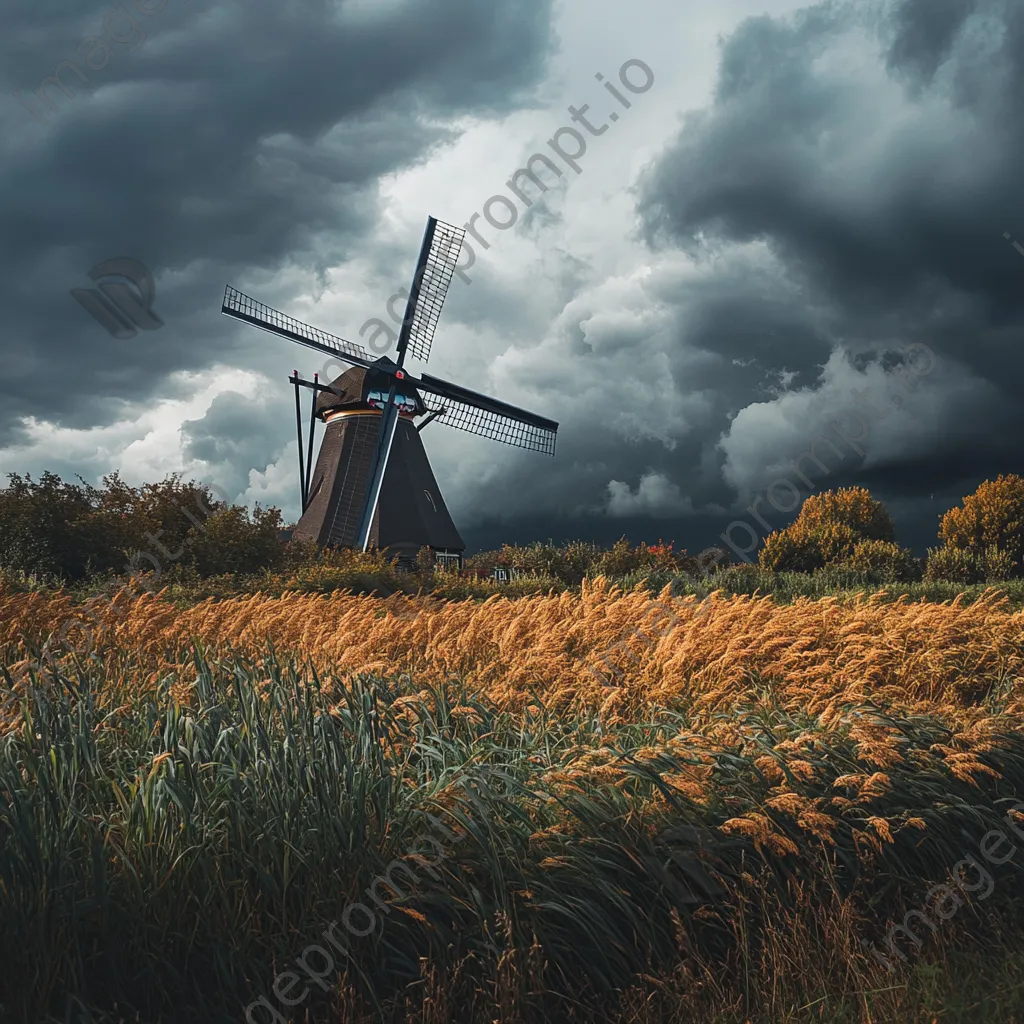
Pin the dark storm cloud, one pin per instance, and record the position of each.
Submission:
(875, 151)
(235, 139)
(924, 32)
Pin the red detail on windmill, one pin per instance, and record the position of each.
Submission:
(400, 375)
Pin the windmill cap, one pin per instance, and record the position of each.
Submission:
(351, 387)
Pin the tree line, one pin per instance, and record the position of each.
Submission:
(74, 531)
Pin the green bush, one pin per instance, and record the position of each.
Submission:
(883, 559)
(969, 565)
(53, 528)
(235, 540)
(74, 531)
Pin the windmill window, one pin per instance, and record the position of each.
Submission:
(378, 399)
(448, 559)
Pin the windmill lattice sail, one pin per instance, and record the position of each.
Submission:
(243, 307)
(466, 410)
(439, 255)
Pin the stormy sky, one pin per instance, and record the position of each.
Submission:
(793, 236)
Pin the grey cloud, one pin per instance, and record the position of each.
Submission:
(844, 195)
(924, 32)
(881, 196)
(233, 422)
(236, 143)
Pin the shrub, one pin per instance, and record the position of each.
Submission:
(835, 541)
(806, 550)
(992, 516)
(238, 541)
(483, 561)
(75, 530)
(953, 565)
(426, 562)
(850, 506)
(884, 559)
(21, 582)
(53, 528)
(580, 557)
(622, 559)
(999, 564)
(968, 565)
(827, 531)
(713, 559)
(535, 559)
(786, 551)
(300, 552)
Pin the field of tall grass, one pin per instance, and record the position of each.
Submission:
(644, 807)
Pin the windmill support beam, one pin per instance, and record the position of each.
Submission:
(433, 416)
(386, 437)
(315, 385)
(312, 431)
(306, 466)
(298, 428)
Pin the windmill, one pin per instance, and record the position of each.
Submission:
(373, 485)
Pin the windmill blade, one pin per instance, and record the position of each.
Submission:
(242, 307)
(442, 244)
(480, 414)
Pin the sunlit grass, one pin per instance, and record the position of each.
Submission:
(696, 816)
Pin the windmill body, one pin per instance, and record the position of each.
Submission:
(411, 513)
(372, 485)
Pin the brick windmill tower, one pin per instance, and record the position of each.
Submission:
(372, 486)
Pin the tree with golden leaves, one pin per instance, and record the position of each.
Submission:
(993, 514)
(827, 530)
(850, 506)
(988, 527)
